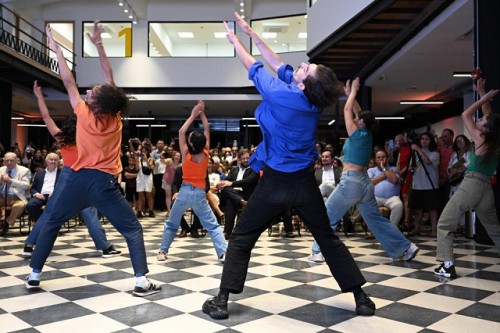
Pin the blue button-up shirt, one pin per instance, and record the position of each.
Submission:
(287, 119)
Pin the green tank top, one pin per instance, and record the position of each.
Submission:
(476, 164)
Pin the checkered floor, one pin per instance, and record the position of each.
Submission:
(83, 292)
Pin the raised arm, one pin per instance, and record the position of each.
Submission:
(271, 58)
(198, 108)
(474, 131)
(351, 107)
(97, 41)
(246, 58)
(64, 71)
(206, 125)
(44, 111)
(481, 90)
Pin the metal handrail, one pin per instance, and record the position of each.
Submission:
(40, 52)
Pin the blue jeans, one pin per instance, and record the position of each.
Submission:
(275, 192)
(195, 198)
(89, 187)
(355, 188)
(89, 214)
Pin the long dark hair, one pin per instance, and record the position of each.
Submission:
(433, 145)
(67, 135)
(491, 137)
(466, 141)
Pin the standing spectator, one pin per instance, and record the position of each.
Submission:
(445, 151)
(144, 182)
(425, 185)
(158, 171)
(130, 175)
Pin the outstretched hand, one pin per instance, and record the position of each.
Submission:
(489, 95)
(96, 38)
(480, 86)
(198, 109)
(53, 45)
(347, 88)
(37, 90)
(243, 24)
(355, 85)
(231, 37)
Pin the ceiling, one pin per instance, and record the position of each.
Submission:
(402, 50)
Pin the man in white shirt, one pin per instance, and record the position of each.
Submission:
(327, 176)
(43, 186)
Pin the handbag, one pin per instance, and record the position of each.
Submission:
(456, 179)
(146, 170)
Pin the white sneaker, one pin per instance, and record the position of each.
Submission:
(316, 257)
(411, 252)
(162, 256)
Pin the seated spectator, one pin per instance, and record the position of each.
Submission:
(236, 189)
(385, 179)
(43, 185)
(14, 188)
(327, 176)
(212, 195)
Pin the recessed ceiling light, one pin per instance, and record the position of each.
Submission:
(220, 34)
(185, 34)
(421, 102)
(267, 35)
(331, 122)
(105, 35)
(302, 35)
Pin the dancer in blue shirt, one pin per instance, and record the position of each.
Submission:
(288, 117)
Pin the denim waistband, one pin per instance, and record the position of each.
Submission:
(478, 176)
(355, 173)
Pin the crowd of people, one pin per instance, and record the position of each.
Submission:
(237, 193)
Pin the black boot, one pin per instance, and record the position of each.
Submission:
(216, 307)
(364, 305)
(195, 234)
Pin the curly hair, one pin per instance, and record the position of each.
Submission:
(323, 89)
(466, 142)
(67, 135)
(109, 99)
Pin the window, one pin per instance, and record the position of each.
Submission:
(63, 33)
(284, 34)
(116, 37)
(189, 39)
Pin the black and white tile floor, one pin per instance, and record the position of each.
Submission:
(83, 292)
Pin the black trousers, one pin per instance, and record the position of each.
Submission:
(275, 192)
(159, 199)
(232, 199)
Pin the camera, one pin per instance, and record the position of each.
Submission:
(412, 136)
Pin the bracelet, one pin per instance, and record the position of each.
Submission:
(99, 42)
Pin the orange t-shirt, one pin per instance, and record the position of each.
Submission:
(69, 155)
(195, 173)
(98, 141)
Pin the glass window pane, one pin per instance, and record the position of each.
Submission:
(284, 34)
(189, 39)
(116, 37)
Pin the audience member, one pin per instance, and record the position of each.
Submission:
(14, 189)
(236, 189)
(43, 185)
(425, 185)
(385, 180)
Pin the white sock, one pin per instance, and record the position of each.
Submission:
(142, 281)
(35, 276)
(448, 263)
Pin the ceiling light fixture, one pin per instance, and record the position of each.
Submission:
(17, 118)
(390, 118)
(31, 125)
(138, 118)
(421, 102)
(128, 10)
(159, 125)
(141, 125)
(247, 118)
(331, 122)
(185, 34)
(462, 74)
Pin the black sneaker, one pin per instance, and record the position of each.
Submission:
(4, 227)
(216, 309)
(139, 214)
(27, 252)
(32, 284)
(141, 291)
(446, 272)
(364, 305)
(151, 213)
(110, 252)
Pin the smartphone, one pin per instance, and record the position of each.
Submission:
(391, 144)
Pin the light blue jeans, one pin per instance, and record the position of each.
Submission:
(355, 188)
(195, 198)
(89, 215)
